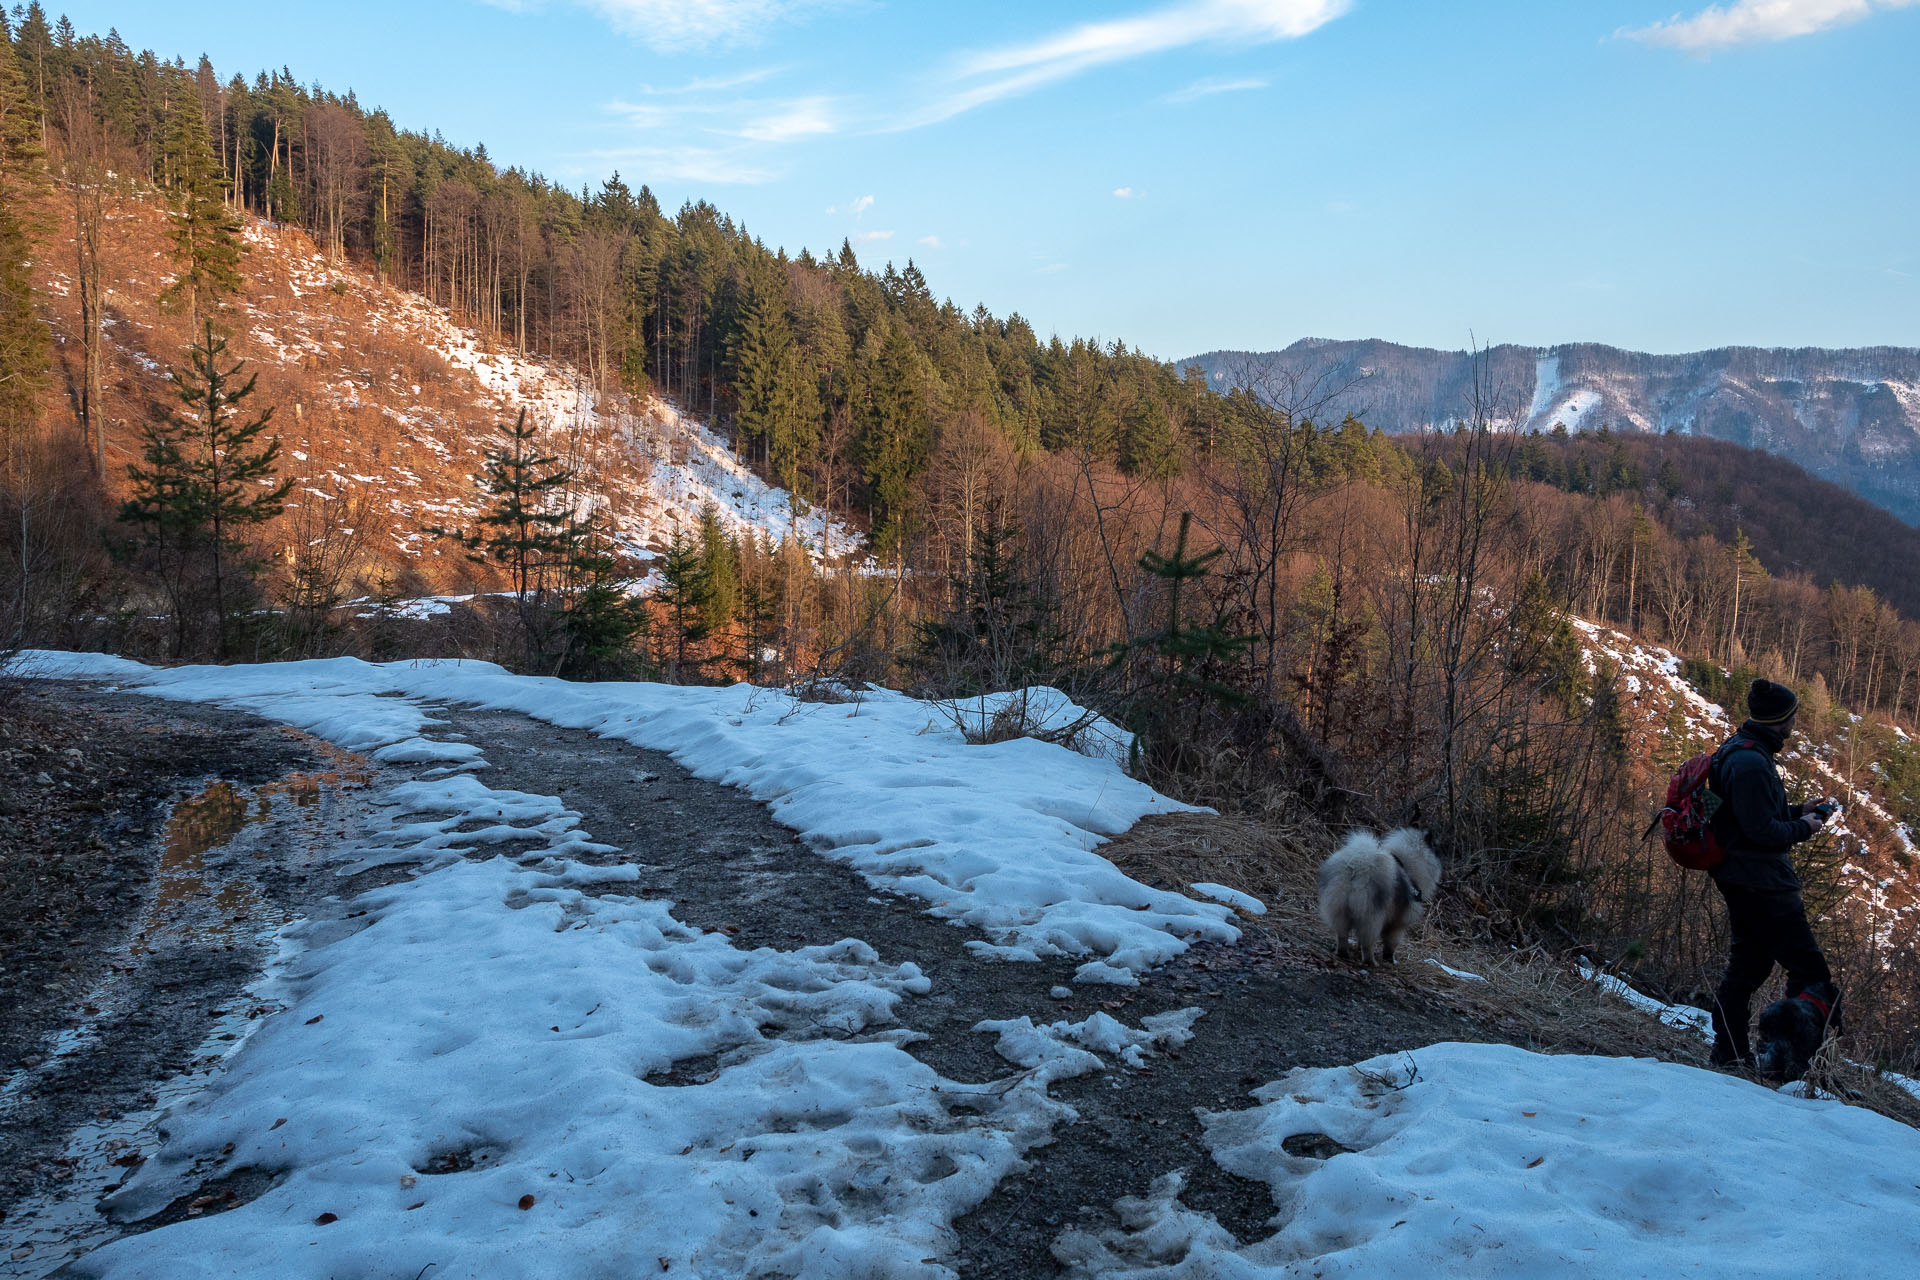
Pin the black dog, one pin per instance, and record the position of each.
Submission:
(1792, 1030)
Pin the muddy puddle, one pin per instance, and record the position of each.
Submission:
(193, 976)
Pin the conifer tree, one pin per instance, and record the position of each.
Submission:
(205, 479)
(682, 590)
(898, 440)
(778, 395)
(757, 351)
(1184, 661)
(999, 633)
(1746, 568)
(518, 530)
(719, 572)
(603, 621)
(33, 50)
(206, 233)
(387, 186)
(23, 342)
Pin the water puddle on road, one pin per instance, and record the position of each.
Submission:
(228, 858)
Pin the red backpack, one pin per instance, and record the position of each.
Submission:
(1687, 819)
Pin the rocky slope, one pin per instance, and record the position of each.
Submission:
(1850, 416)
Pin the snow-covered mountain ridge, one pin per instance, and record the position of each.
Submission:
(1852, 416)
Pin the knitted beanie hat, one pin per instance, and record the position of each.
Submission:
(1770, 704)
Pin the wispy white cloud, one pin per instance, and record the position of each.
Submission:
(671, 25)
(712, 84)
(860, 205)
(1720, 26)
(1209, 86)
(789, 121)
(652, 116)
(868, 237)
(1123, 193)
(1011, 70)
(717, 165)
(932, 242)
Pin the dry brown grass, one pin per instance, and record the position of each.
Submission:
(1833, 1073)
(1529, 998)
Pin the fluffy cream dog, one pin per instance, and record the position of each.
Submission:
(1374, 888)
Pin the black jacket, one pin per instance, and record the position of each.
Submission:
(1755, 824)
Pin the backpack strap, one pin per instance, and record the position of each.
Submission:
(1736, 743)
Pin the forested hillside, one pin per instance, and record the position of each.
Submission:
(1299, 615)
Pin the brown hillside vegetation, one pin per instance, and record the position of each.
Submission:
(383, 405)
(1798, 523)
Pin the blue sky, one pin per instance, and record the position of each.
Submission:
(1191, 174)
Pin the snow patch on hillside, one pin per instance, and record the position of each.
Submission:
(1555, 403)
(647, 468)
(1546, 381)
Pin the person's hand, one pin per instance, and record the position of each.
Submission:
(1816, 818)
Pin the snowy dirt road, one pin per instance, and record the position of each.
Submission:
(732, 872)
(550, 1001)
(727, 866)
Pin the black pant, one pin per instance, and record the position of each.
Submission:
(1769, 927)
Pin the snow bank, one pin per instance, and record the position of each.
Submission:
(1683, 1017)
(1490, 1161)
(1235, 898)
(1000, 836)
(1040, 711)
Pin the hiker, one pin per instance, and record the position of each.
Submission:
(1757, 827)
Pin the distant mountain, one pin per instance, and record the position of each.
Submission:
(1852, 416)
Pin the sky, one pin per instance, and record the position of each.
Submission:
(1186, 175)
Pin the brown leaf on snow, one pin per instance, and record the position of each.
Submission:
(325, 1218)
(526, 1202)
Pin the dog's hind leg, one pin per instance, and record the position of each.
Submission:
(1340, 921)
(1391, 940)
